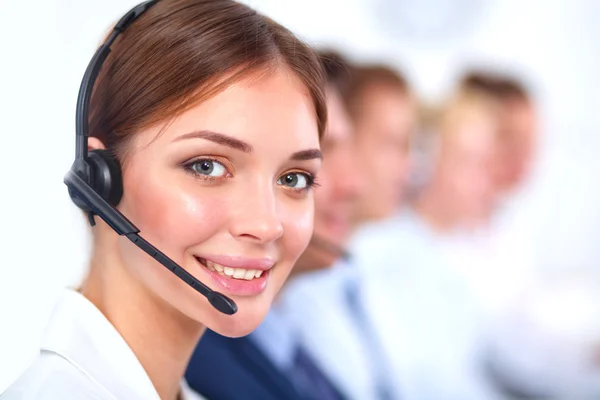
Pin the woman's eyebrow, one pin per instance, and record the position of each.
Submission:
(219, 138)
(237, 144)
(305, 155)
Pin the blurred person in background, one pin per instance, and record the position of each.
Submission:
(543, 330)
(272, 363)
(460, 193)
(329, 305)
(418, 264)
(518, 128)
(383, 112)
(507, 256)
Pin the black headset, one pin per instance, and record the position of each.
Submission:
(95, 181)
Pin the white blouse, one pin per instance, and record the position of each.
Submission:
(84, 357)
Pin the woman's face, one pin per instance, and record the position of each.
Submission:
(225, 191)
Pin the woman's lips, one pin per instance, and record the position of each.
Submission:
(239, 276)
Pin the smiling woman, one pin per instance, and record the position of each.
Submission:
(213, 115)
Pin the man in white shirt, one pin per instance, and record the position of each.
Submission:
(543, 341)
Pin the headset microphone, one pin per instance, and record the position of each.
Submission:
(95, 181)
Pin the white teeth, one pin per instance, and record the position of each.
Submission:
(210, 265)
(237, 273)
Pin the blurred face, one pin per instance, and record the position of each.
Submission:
(225, 191)
(383, 128)
(517, 144)
(339, 185)
(464, 167)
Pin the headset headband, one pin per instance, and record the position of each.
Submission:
(95, 182)
(91, 73)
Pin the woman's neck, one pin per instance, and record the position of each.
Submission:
(161, 337)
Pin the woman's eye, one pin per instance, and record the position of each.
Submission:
(296, 180)
(209, 167)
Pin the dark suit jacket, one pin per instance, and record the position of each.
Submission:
(236, 369)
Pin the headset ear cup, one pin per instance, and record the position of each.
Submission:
(106, 176)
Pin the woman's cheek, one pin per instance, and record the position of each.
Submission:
(299, 228)
(175, 216)
(193, 218)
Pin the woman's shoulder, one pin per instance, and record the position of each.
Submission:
(51, 377)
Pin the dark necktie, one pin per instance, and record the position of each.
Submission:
(309, 380)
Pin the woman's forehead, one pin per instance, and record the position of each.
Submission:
(271, 114)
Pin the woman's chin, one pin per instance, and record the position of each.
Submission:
(242, 323)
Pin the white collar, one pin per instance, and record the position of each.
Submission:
(82, 335)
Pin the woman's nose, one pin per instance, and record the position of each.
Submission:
(257, 218)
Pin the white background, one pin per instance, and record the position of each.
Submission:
(45, 46)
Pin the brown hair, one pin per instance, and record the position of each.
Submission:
(462, 106)
(363, 78)
(497, 86)
(337, 69)
(181, 52)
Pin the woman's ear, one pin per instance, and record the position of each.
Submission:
(95, 144)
